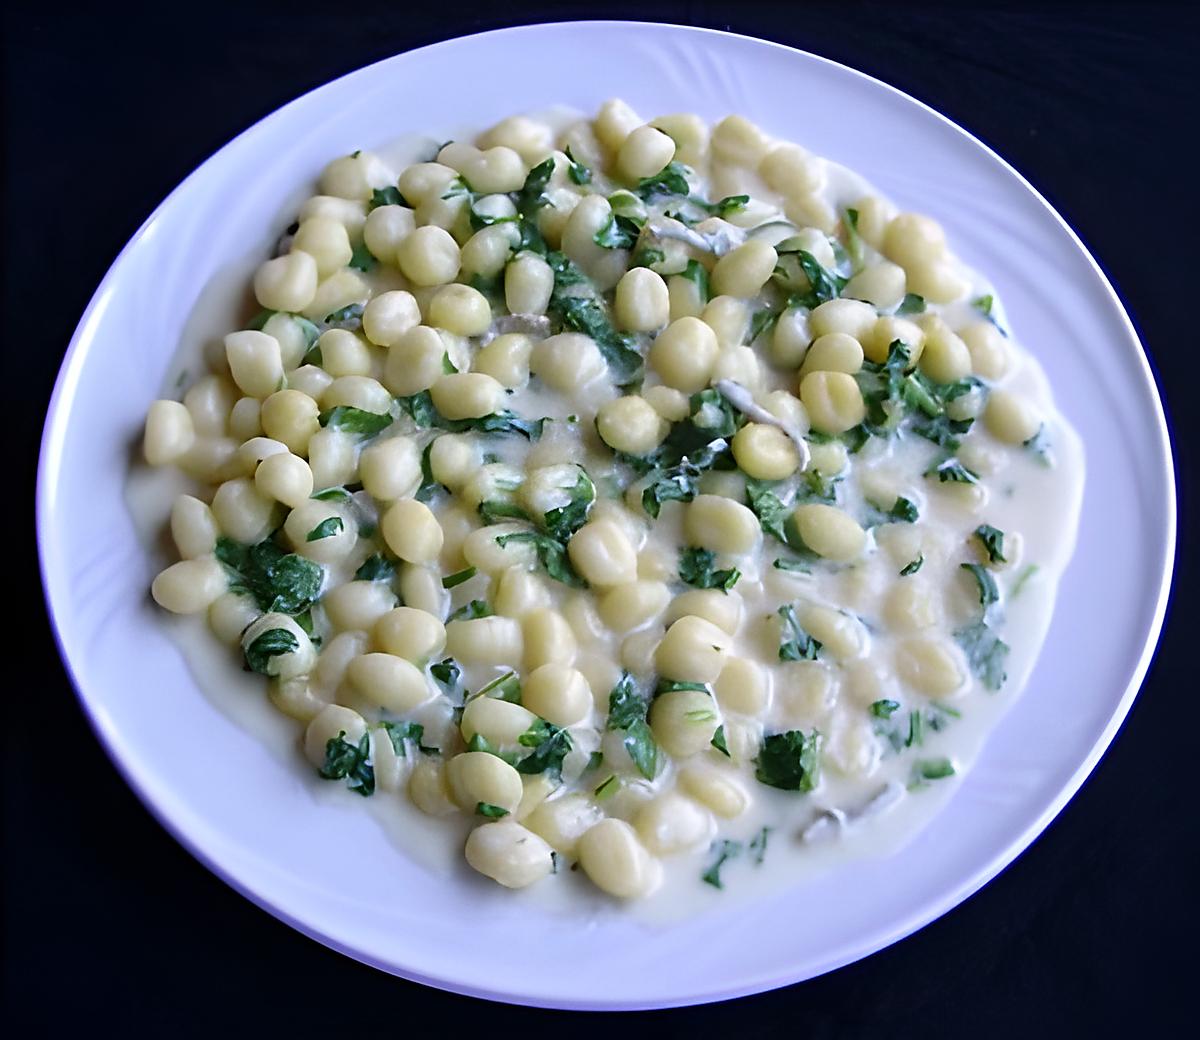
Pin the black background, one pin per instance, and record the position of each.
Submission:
(111, 925)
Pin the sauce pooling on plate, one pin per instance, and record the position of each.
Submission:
(656, 499)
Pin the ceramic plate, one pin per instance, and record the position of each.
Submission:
(329, 869)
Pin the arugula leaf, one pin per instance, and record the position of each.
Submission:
(718, 741)
(911, 304)
(647, 257)
(447, 674)
(988, 592)
(912, 566)
(506, 687)
(985, 651)
(677, 483)
(375, 568)
(458, 577)
(563, 521)
(992, 540)
(697, 274)
(790, 760)
(795, 644)
(854, 242)
(349, 762)
(349, 317)
(399, 733)
(481, 743)
(281, 583)
(354, 420)
(551, 554)
(429, 487)
(477, 608)
(494, 511)
(766, 505)
(492, 812)
(824, 285)
(550, 744)
(904, 510)
(389, 196)
(953, 471)
(723, 208)
(275, 642)
(696, 568)
(725, 850)
(884, 709)
(420, 408)
(627, 714)
(327, 528)
(617, 233)
(578, 173)
(331, 494)
(586, 314)
(532, 195)
(763, 321)
(361, 258)
(926, 769)
(670, 180)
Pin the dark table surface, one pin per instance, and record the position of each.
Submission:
(108, 922)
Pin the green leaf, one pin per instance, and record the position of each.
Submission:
(884, 709)
(349, 317)
(400, 733)
(532, 195)
(725, 850)
(763, 321)
(275, 642)
(992, 539)
(904, 510)
(986, 653)
(671, 180)
(696, 567)
(617, 233)
(766, 505)
(1039, 444)
(854, 242)
(375, 568)
(492, 812)
(1022, 579)
(927, 769)
(607, 789)
(480, 743)
(447, 674)
(496, 511)
(551, 554)
(327, 528)
(795, 644)
(795, 566)
(723, 208)
(420, 408)
(331, 494)
(697, 274)
(985, 306)
(627, 714)
(790, 760)
(912, 566)
(677, 483)
(458, 577)
(281, 583)
(911, 304)
(506, 687)
(355, 420)
(429, 487)
(953, 471)
(563, 521)
(988, 591)
(718, 741)
(587, 314)
(578, 173)
(477, 608)
(647, 257)
(550, 744)
(388, 196)
(349, 762)
(824, 285)
(361, 258)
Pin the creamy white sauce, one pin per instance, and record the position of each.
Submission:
(1040, 503)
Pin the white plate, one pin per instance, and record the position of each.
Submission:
(329, 870)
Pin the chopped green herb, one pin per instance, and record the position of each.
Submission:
(627, 714)
(989, 593)
(790, 760)
(506, 687)
(1022, 579)
(671, 180)
(331, 494)
(718, 741)
(758, 846)
(551, 554)
(1039, 444)
(458, 577)
(349, 762)
(725, 850)
(447, 674)
(912, 566)
(726, 206)
(607, 789)
(492, 812)
(578, 173)
(696, 567)
(953, 471)
(927, 769)
(550, 746)
(617, 233)
(495, 511)
(905, 511)
(361, 258)
(911, 304)
(355, 420)
(795, 644)
(275, 642)
(565, 520)
(477, 608)
(327, 528)
(375, 568)
(400, 733)
(854, 243)
(884, 709)
(763, 321)
(795, 566)
(648, 257)
(347, 318)
(280, 582)
(429, 487)
(824, 285)
(986, 653)
(697, 274)
(388, 196)
(992, 540)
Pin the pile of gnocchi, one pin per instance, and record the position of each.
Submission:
(625, 488)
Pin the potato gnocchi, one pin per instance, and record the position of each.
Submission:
(641, 491)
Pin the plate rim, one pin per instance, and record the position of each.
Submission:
(49, 455)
